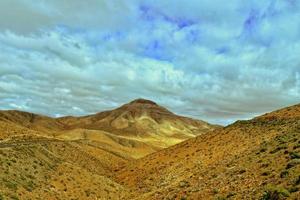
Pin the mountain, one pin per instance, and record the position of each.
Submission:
(142, 120)
(76, 157)
(132, 130)
(252, 159)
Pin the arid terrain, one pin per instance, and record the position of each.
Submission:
(143, 151)
(76, 157)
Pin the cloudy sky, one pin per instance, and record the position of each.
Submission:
(207, 59)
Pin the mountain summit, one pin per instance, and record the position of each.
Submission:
(142, 101)
(144, 106)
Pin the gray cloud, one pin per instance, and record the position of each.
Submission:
(27, 16)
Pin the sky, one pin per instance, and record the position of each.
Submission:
(206, 59)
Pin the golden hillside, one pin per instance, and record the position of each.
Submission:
(254, 159)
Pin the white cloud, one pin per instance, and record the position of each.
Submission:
(214, 61)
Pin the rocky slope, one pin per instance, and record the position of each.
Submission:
(254, 159)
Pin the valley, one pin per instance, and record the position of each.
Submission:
(143, 151)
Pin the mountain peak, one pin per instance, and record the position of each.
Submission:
(142, 101)
(144, 105)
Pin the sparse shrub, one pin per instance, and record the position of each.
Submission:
(215, 191)
(14, 197)
(221, 198)
(30, 176)
(266, 173)
(281, 147)
(296, 146)
(293, 189)
(214, 176)
(293, 163)
(183, 198)
(29, 186)
(263, 149)
(265, 165)
(230, 194)
(183, 184)
(297, 182)
(87, 193)
(275, 193)
(294, 155)
(283, 139)
(284, 174)
(10, 185)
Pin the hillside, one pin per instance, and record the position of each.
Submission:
(254, 159)
(34, 164)
(31, 121)
(55, 169)
(75, 157)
